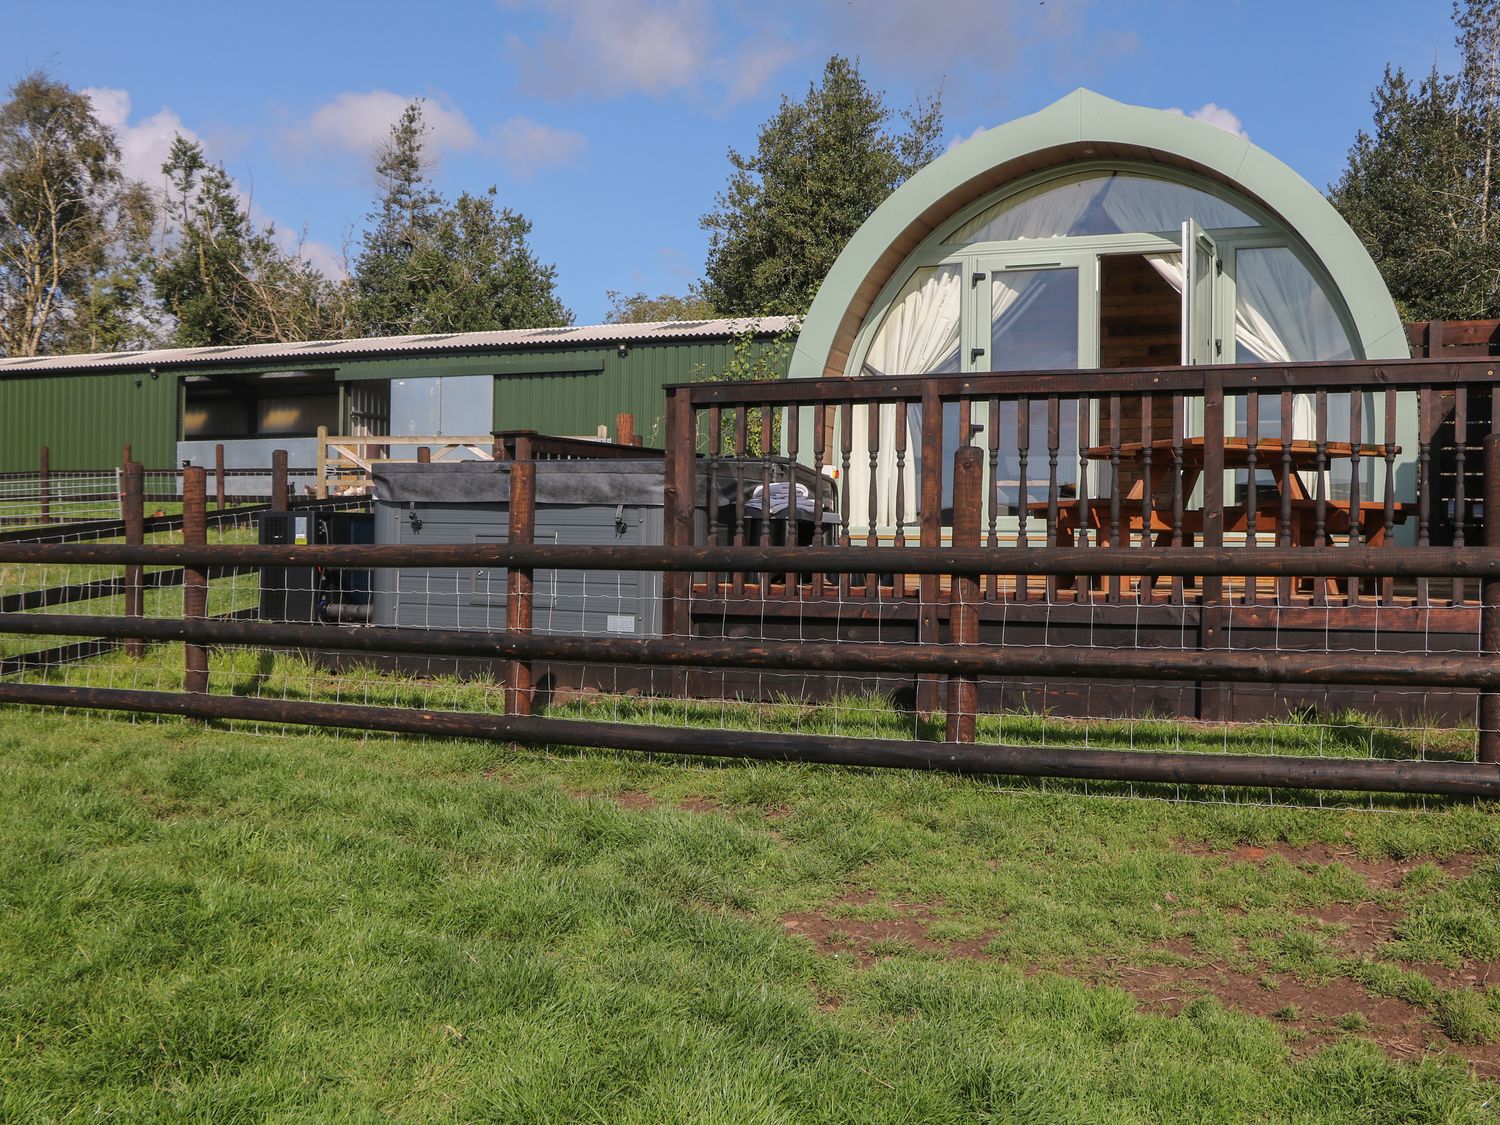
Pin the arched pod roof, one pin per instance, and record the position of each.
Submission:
(1087, 127)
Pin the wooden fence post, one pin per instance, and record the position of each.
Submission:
(1489, 599)
(125, 457)
(930, 518)
(320, 465)
(518, 581)
(219, 476)
(624, 429)
(1213, 698)
(278, 480)
(679, 494)
(195, 578)
(963, 612)
(44, 481)
(132, 508)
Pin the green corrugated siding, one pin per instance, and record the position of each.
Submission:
(85, 419)
(580, 402)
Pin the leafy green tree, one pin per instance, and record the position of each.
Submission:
(637, 308)
(429, 266)
(226, 281)
(68, 223)
(117, 309)
(1420, 190)
(1411, 192)
(475, 272)
(821, 166)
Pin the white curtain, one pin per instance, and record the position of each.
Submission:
(1048, 211)
(919, 336)
(1251, 330)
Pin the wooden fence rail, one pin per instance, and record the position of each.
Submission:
(1481, 777)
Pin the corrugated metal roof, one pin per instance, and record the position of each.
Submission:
(322, 352)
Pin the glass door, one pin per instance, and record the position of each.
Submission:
(1027, 316)
(1201, 342)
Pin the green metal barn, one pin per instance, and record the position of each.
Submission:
(175, 405)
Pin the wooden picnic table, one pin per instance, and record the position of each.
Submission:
(1286, 462)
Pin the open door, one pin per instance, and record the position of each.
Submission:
(1201, 343)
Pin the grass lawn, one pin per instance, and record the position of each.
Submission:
(207, 924)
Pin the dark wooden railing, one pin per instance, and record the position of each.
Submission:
(1142, 458)
(1449, 339)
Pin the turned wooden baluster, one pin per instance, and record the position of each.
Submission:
(1023, 489)
(1252, 491)
(741, 431)
(1284, 528)
(1118, 536)
(1145, 588)
(792, 428)
(901, 488)
(1179, 417)
(1460, 492)
(1084, 583)
(715, 451)
(1356, 492)
(1054, 428)
(872, 536)
(820, 438)
(1388, 585)
(1426, 406)
(1320, 508)
(846, 450)
(991, 590)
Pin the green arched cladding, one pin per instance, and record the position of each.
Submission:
(1085, 128)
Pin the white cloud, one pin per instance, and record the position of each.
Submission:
(357, 122)
(528, 146)
(954, 142)
(1215, 115)
(616, 46)
(328, 261)
(923, 41)
(145, 144)
(656, 47)
(754, 66)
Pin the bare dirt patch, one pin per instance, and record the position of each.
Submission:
(1313, 1013)
(634, 800)
(1361, 928)
(698, 805)
(1472, 974)
(871, 939)
(1379, 874)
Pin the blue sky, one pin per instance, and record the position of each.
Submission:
(606, 122)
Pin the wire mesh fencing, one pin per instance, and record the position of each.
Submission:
(280, 643)
(1114, 631)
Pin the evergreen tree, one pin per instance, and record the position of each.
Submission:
(1411, 192)
(1478, 24)
(1420, 191)
(69, 224)
(430, 266)
(821, 166)
(227, 281)
(385, 283)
